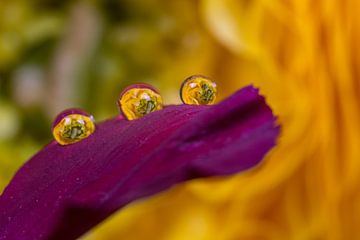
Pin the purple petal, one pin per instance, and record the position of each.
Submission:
(64, 191)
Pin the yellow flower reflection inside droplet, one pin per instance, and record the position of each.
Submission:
(73, 128)
(198, 90)
(138, 101)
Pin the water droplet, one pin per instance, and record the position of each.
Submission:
(139, 100)
(198, 90)
(72, 125)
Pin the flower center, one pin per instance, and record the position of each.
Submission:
(75, 130)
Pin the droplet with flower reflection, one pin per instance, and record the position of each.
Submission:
(198, 90)
(72, 125)
(138, 100)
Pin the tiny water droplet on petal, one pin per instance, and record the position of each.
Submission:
(139, 100)
(198, 90)
(72, 125)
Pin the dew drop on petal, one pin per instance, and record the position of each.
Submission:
(72, 125)
(198, 90)
(139, 100)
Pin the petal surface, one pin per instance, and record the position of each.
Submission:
(63, 191)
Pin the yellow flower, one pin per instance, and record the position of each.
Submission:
(305, 57)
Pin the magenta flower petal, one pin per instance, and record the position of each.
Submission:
(63, 191)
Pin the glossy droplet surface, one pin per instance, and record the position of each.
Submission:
(138, 100)
(198, 90)
(72, 125)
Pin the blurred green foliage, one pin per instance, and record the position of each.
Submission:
(61, 54)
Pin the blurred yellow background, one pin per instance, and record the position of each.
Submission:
(304, 55)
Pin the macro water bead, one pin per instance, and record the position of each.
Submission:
(72, 125)
(138, 100)
(198, 90)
